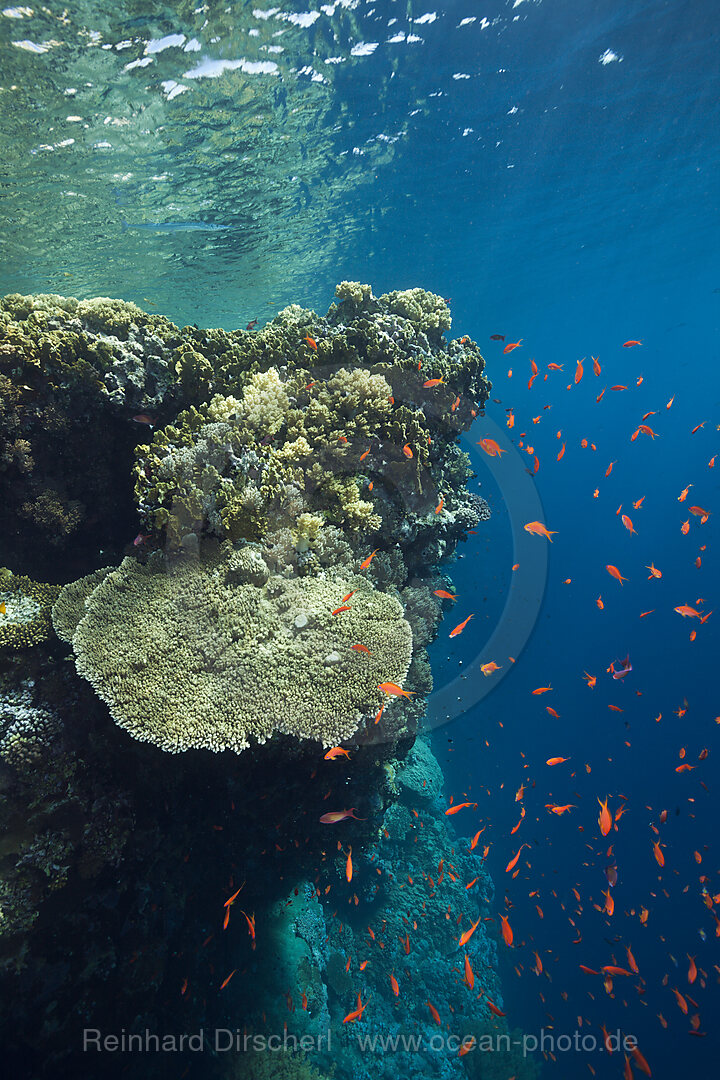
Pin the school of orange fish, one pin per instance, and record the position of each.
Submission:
(611, 808)
(684, 997)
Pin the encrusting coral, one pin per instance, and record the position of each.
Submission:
(25, 608)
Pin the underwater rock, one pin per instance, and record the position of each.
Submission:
(412, 875)
(297, 488)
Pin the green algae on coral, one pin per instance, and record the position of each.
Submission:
(198, 654)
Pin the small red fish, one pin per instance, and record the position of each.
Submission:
(629, 344)
(340, 815)
(460, 627)
(336, 752)
(491, 447)
(395, 690)
(311, 342)
(512, 345)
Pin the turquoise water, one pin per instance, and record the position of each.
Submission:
(549, 171)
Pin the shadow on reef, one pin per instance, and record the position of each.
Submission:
(174, 728)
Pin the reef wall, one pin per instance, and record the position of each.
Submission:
(166, 704)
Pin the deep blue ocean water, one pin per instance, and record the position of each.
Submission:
(553, 169)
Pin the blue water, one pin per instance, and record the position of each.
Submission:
(555, 175)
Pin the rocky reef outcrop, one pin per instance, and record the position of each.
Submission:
(295, 492)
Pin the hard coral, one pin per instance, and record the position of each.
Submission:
(202, 653)
(25, 620)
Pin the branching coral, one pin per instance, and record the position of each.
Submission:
(205, 654)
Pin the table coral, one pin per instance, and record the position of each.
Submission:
(197, 653)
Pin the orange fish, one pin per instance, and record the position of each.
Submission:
(554, 809)
(349, 865)
(494, 1009)
(434, 1013)
(464, 938)
(681, 1001)
(336, 752)
(488, 669)
(629, 344)
(692, 969)
(686, 611)
(604, 820)
(556, 760)
(614, 572)
(356, 1014)
(699, 512)
(361, 648)
(640, 1061)
(226, 981)
(490, 447)
(234, 895)
(628, 525)
(364, 455)
(432, 382)
(506, 931)
(536, 528)
(596, 365)
(439, 506)
(654, 572)
(512, 345)
(590, 679)
(469, 975)
(407, 450)
(251, 925)
(659, 857)
(561, 452)
(366, 562)
(513, 862)
(395, 987)
(459, 806)
(540, 690)
(311, 342)
(445, 595)
(343, 607)
(460, 627)
(578, 372)
(395, 690)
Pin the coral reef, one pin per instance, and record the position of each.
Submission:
(296, 489)
(25, 608)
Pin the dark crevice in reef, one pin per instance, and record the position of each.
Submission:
(165, 715)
